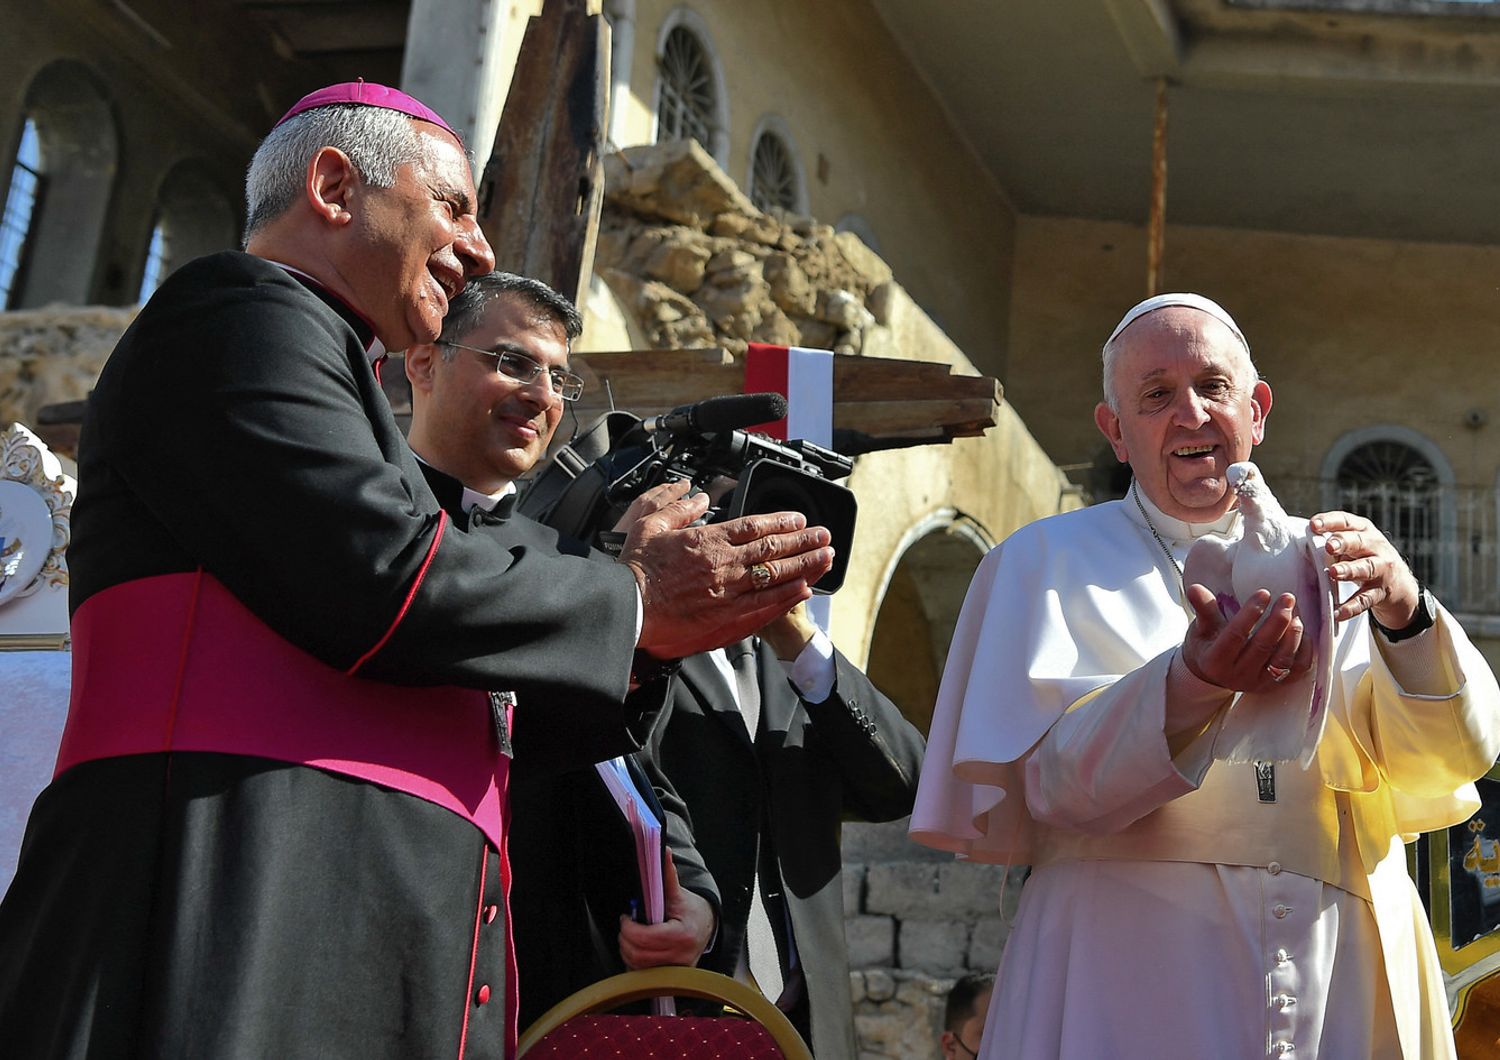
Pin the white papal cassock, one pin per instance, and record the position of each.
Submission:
(1170, 912)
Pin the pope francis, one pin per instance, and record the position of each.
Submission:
(1182, 905)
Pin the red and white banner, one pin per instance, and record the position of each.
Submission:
(805, 378)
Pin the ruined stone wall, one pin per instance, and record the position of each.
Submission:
(915, 921)
(697, 265)
(54, 354)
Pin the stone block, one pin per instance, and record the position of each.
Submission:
(675, 180)
(789, 287)
(901, 888)
(731, 261)
(871, 941)
(969, 888)
(905, 1026)
(862, 259)
(816, 335)
(730, 225)
(880, 985)
(776, 328)
(871, 841)
(843, 309)
(986, 944)
(933, 945)
(678, 265)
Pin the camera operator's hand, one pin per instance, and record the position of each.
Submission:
(703, 587)
(653, 500)
(788, 634)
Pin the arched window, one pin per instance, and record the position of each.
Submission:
(77, 151)
(691, 100)
(156, 258)
(1401, 483)
(193, 218)
(775, 175)
(26, 186)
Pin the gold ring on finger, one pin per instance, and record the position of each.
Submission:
(760, 575)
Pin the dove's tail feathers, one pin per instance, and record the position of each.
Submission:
(1317, 718)
(1229, 604)
(1274, 726)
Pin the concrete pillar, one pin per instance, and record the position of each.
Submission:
(459, 58)
(621, 15)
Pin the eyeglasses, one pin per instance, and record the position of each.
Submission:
(524, 369)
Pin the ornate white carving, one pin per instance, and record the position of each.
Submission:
(21, 461)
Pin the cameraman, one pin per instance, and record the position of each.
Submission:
(478, 423)
(773, 743)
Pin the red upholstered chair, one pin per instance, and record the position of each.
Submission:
(574, 1028)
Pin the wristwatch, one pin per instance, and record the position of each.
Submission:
(1421, 620)
(646, 668)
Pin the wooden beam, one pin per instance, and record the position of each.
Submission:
(543, 187)
(899, 402)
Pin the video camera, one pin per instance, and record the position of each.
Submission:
(590, 482)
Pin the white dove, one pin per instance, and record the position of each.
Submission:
(1277, 553)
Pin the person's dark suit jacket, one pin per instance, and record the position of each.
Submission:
(814, 765)
(572, 854)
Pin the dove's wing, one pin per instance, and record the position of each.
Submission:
(1210, 563)
(1316, 604)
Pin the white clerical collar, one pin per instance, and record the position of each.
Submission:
(1168, 527)
(472, 499)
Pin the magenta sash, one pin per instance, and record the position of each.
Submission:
(176, 663)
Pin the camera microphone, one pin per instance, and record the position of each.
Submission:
(729, 413)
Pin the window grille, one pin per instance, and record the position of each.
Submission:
(773, 174)
(687, 102)
(1397, 489)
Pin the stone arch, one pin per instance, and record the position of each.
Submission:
(919, 605)
(79, 143)
(716, 111)
(193, 217)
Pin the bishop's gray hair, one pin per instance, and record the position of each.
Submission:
(377, 141)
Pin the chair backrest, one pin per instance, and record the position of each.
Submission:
(657, 1037)
(573, 1028)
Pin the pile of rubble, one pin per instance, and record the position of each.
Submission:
(697, 264)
